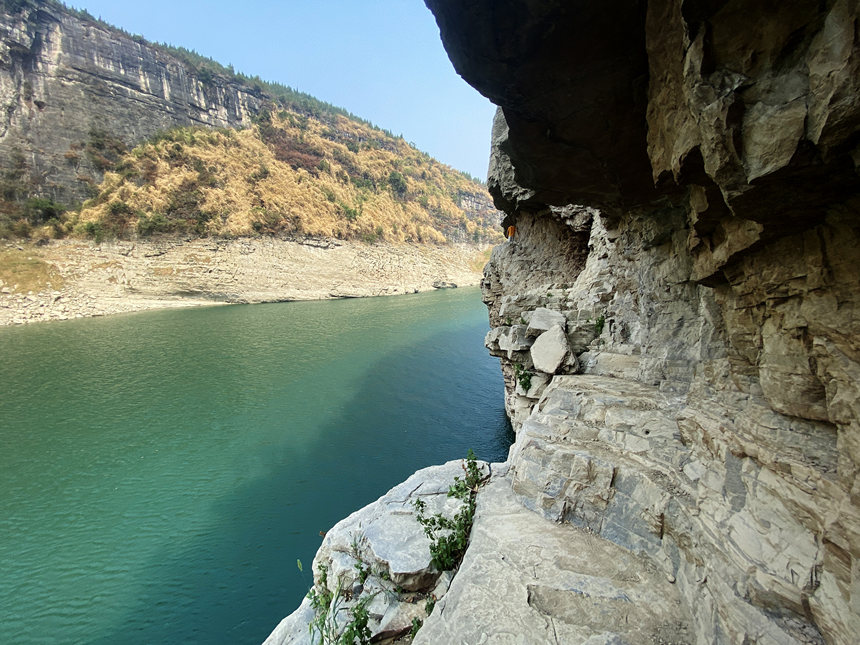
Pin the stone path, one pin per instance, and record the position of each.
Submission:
(527, 580)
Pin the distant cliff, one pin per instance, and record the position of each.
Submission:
(95, 117)
(71, 86)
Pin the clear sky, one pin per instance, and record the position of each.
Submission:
(380, 59)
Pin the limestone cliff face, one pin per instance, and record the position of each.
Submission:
(62, 77)
(682, 347)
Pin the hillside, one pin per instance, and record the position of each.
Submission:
(158, 140)
(289, 173)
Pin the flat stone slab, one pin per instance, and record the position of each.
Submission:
(526, 580)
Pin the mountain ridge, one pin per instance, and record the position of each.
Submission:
(77, 93)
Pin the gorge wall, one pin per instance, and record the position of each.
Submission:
(72, 87)
(677, 311)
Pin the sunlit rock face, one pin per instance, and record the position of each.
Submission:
(63, 77)
(709, 283)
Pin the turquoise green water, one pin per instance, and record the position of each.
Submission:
(160, 473)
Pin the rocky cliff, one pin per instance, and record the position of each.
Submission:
(72, 87)
(677, 311)
(676, 315)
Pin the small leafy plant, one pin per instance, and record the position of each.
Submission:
(361, 567)
(523, 376)
(450, 536)
(598, 325)
(327, 607)
(416, 625)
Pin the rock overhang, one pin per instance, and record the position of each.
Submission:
(718, 107)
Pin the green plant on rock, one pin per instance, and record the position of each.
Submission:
(363, 571)
(320, 600)
(450, 536)
(598, 326)
(361, 567)
(416, 625)
(328, 606)
(356, 629)
(523, 376)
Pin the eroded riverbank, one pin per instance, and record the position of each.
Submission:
(76, 279)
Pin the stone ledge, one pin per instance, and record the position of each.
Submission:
(526, 579)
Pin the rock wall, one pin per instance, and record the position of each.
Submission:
(63, 76)
(682, 349)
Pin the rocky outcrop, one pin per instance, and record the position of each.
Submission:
(70, 85)
(378, 558)
(706, 418)
(531, 580)
(677, 316)
(657, 442)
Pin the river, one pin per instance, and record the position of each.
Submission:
(162, 472)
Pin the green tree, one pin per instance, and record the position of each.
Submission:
(398, 183)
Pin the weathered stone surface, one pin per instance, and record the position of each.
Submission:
(556, 68)
(507, 193)
(717, 278)
(549, 350)
(398, 619)
(508, 339)
(744, 105)
(529, 580)
(663, 445)
(537, 385)
(387, 534)
(543, 319)
(294, 628)
(385, 540)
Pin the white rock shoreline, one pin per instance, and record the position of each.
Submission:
(128, 276)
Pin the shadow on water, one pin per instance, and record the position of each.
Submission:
(234, 583)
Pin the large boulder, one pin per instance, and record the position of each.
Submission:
(543, 319)
(549, 350)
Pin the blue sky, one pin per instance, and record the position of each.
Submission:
(380, 59)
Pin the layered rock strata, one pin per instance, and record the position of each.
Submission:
(68, 82)
(653, 439)
(704, 413)
(677, 320)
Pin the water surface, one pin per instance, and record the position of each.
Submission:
(161, 473)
